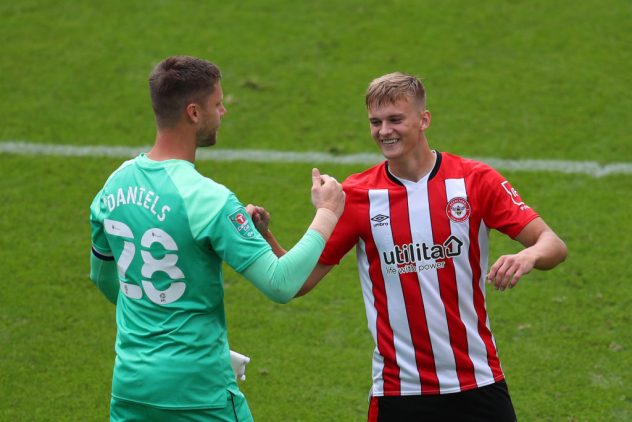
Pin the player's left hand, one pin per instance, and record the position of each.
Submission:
(260, 216)
(508, 269)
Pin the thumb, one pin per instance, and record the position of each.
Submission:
(315, 178)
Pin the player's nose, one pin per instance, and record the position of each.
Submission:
(385, 128)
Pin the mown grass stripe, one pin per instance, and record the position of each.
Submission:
(591, 168)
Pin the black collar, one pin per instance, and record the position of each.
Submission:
(432, 174)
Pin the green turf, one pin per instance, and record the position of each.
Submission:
(510, 79)
(532, 79)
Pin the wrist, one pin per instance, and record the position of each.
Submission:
(324, 222)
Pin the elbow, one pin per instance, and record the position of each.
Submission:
(280, 298)
(563, 251)
(556, 256)
(555, 250)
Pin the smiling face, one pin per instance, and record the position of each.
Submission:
(398, 128)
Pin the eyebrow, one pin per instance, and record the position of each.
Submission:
(390, 116)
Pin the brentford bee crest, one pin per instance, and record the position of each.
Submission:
(458, 210)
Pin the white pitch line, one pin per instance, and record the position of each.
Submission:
(591, 168)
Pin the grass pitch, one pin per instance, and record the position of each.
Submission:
(532, 79)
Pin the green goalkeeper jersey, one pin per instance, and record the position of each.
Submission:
(169, 230)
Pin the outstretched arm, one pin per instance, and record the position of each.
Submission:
(281, 278)
(319, 272)
(543, 250)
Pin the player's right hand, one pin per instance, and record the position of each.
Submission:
(327, 193)
(260, 217)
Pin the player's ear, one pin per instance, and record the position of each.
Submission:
(192, 112)
(424, 121)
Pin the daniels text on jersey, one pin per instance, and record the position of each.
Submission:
(139, 196)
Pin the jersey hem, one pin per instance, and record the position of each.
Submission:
(175, 407)
(439, 392)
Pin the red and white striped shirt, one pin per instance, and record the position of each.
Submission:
(422, 250)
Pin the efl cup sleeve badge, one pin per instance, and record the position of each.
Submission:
(241, 223)
(458, 209)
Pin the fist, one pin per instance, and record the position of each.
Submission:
(327, 193)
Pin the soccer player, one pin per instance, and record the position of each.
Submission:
(160, 232)
(420, 222)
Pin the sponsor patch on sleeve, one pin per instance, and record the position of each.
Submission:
(513, 194)
(240, 222)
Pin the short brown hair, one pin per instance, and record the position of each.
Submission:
(392, 87)
(177, 81)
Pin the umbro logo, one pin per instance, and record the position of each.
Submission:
(379, 220)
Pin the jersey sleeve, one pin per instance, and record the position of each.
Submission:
(233, 235)
(103, 272)
(100, 247)
(503, 208)
(281, 278)
(345, 234)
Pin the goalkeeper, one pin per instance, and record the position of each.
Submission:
(160, 233)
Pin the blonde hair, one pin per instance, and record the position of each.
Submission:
(392, 87)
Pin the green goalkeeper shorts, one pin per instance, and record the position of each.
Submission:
(236, 410)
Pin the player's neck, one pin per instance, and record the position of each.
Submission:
(413, 167)
(173, 145)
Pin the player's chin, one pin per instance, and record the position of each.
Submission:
(391, 153)
(207, 142)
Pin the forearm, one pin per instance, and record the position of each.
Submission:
(281, 278)
(104, 275)
(324, 222)
(314, 278)
(548, 251)
(274, 244)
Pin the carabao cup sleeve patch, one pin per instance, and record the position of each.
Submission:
(241, 223)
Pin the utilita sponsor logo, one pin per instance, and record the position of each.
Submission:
(417, 252)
